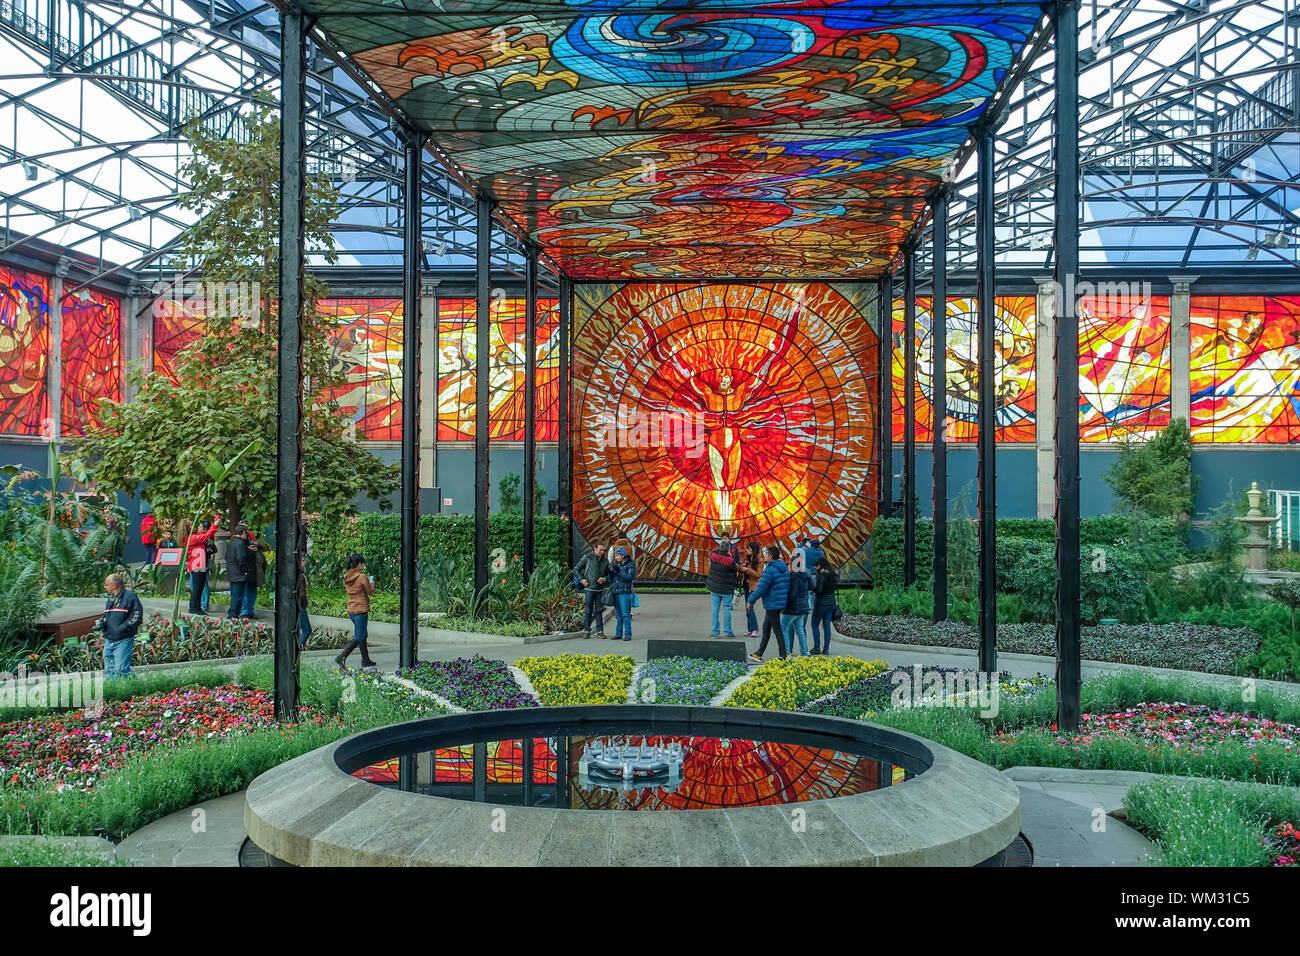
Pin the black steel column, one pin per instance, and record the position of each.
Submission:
(1066, 370)
(530, 402)
(564, 465)
(482, 371)
(413, 253)
(288, 442)
(939, 401)
(909, 416)
(885, 325)
(986, 506)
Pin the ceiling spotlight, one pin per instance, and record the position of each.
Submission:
(1253, 252)
(29, 170)
(135, 214)
(1279, 240)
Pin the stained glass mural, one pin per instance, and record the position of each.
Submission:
(457, 354)
(744, 406)
(176, 324)
(724, 138)
(24, 348)
(368, 353)
(92, 358)
(1245, 369)
(1124, 366)
(1014, 362)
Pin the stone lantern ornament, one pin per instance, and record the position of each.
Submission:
(1254, 551)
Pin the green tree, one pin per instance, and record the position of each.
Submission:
(1155, 476)
(225, 391)
(511, 501)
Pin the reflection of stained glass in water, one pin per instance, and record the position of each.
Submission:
(505, 762)
(92, 358)
(1245, 369)
(24, 344)
(737, 773)
(457, 353)
(1014, 367)
(749, 406)
(1124, 367)
(368, 350)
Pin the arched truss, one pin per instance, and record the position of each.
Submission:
(1190, 136)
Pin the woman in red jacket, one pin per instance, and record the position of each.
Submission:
(196, 550)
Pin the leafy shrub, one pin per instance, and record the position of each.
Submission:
(473, 683)
(1111, 585)
(1154, 475)
(1288, 593)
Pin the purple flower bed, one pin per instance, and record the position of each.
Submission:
(474, 683)
(1198, 647)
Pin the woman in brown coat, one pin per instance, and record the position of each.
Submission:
(359, 587)
(750, 571)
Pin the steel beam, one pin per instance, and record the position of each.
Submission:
(564, 465)
(1065, 13)
(939, 401)
(530, 404)
(482, 373)
(909, 416)
(289, 543)
(885, 329)
(986, 467)
(413, 257)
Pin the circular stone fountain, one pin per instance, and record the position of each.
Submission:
(556, 786)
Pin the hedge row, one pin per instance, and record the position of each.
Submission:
(377, 537)
(1017, 538)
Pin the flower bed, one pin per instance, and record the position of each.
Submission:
(1283, 844)
(1179, 725)
(1199, 647)
(791, 683)
(473, 683)
(73, 750)
(685, 680)
(864, 699)
(570, 679)
(398, 695)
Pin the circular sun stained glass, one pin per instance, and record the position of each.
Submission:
(740, 410)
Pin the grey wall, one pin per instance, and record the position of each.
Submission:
(456, 474)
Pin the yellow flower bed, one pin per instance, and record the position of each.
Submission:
(570, 679)
(791, 683)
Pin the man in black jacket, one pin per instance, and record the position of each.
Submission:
(593, 575)
(122, 616)
(722, 585)
(239, 569)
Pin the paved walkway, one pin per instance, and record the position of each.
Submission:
(207, 834)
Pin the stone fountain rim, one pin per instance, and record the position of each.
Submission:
(309, 812)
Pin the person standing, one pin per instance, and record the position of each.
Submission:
(304, 622)
(772, 589)
(196, 560)
(796, 605)
(239, 569)
(359, 586)
(148, 538)
(257, 576)
(119, 624)
(622, 573)
(593, 575)
(826, 588)
(722, 586)
(750, 571)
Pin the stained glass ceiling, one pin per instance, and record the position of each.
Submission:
(696, 138)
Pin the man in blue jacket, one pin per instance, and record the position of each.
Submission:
(122, 616)
(773, 589)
